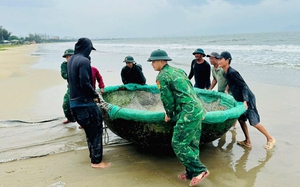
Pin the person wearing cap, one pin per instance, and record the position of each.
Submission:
(200, 69)
(132, 72)
(83, 98)
(182, 105)
(66, 101)
(242, 93)
(218, 74)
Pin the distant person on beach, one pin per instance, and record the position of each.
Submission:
(182, 105)
(242, 93)
(132, 72)
(83, 98)
(64, 73)
(200, 69)
(97, 77)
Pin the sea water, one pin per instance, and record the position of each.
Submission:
(271, 58)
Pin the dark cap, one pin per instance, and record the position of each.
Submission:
(213, 54)
(225, 54)
(68, 52)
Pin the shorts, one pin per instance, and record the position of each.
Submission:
(251, 113)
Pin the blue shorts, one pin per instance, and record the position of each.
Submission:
(251, 113)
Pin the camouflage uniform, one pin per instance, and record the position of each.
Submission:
(66, 102)
(183, 105)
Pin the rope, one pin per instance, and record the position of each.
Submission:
(105, 135)
(30, 122)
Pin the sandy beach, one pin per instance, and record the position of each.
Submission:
(230, 165)
(20, 84)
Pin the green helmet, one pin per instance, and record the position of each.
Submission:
(129, 59)
(199, 51)
(68, 52)
(159, 55)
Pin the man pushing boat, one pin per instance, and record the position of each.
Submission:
(181, 103)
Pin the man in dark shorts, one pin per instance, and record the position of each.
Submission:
(242, 93)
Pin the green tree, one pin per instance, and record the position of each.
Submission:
(13, 37)
(34, 37)
(4, 34)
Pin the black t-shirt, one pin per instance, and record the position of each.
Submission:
(133, 75)
(202, 74)
(237, 86)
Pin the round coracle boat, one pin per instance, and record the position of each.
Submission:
(135, 113)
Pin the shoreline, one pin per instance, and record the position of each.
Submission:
(229, 164)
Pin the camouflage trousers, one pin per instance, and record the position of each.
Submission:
(66, 107)
(185, 142)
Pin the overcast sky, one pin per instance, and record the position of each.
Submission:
(147, 18)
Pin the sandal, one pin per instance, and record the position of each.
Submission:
(196, 180)
(270, 145)
(182, 176)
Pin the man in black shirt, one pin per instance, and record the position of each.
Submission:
(242, 93)
(132, 72)
(200, 68)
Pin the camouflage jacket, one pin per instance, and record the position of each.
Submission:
(63, 70)
(177, 92)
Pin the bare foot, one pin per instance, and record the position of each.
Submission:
(244, 143)
(101, 165)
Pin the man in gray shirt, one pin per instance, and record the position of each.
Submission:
(218, 74)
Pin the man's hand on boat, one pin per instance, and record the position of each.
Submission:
(96, 100)
(102, 90)
(167, 118)
(245, 104)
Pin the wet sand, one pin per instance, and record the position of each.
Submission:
(229, 164)
(21, 85)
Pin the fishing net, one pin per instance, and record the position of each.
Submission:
(135, 113)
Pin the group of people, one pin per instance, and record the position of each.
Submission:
(179, 99)
(178, 96)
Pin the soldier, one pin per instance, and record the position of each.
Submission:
(132, 72)
(66, 103)
(182, 105)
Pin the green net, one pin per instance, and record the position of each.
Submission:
(135, 113)
(142, 103)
